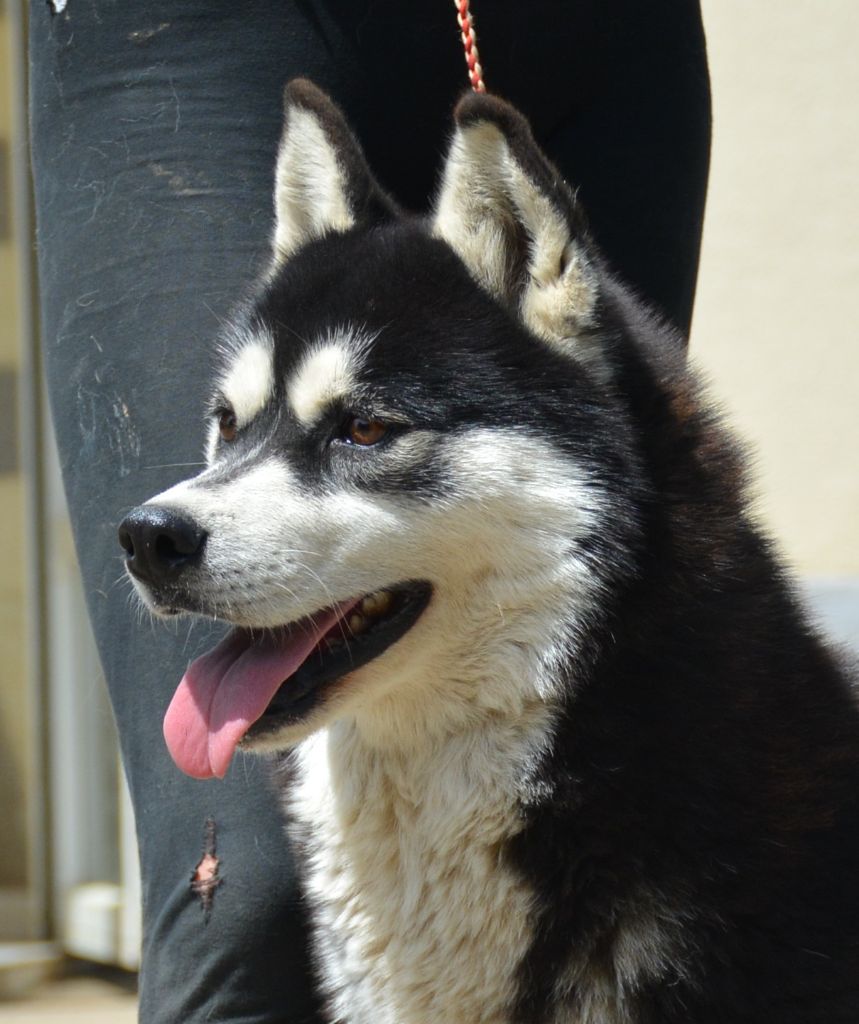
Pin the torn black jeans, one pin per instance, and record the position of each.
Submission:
(154, 127)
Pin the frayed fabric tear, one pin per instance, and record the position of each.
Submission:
(206, 877)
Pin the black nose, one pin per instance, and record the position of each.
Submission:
(159, 543)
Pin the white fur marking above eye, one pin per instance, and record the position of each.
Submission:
(310, 191)
(326, 373)
(248, 382)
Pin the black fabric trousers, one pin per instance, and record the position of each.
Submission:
(154, 129)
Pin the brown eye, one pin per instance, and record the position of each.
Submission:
(364, 432)
(227, 425)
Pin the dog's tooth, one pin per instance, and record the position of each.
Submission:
(376, 604)
(357, 623)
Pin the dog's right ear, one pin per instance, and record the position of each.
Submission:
(506, 211)
(322, 181)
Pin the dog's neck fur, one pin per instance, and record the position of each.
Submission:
(406, 857)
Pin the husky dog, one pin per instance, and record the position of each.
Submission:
(564, 746)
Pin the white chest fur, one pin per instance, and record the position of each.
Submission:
(418, 917)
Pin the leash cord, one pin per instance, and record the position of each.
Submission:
(469, 44)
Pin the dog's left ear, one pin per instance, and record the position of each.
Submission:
(322, 181)
(515, 223)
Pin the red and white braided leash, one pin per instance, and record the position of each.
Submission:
(469, 43)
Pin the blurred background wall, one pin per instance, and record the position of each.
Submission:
(777, 310)
(17, 778)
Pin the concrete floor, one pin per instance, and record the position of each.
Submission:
(83, 999)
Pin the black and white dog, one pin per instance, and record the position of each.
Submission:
(565, 748)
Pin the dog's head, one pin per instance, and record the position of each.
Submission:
(419, 479)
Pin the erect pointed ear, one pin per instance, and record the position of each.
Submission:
(322, 182)
(514, 222)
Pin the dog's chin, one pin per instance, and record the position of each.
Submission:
(271, 738)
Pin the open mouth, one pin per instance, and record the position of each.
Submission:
(257, 682)
(370, 627)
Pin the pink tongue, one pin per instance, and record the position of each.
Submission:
(225, 691)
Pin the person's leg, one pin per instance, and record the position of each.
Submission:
(154, 128)
(153, 133)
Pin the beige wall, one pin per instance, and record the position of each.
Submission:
(777, 317)
(13, 679)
